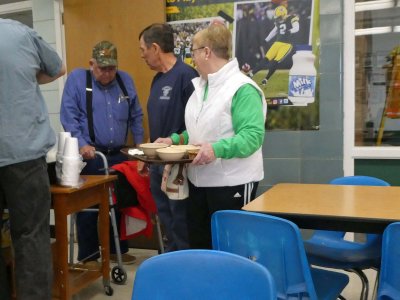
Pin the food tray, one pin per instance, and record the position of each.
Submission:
(155, 160)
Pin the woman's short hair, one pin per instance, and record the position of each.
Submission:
(217, 37)
(161, 34)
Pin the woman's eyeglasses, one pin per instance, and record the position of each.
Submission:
(192, 50)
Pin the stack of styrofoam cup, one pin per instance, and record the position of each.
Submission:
(72, 164)
(60, 150)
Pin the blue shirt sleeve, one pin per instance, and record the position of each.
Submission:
(72, 116)
(49, 61)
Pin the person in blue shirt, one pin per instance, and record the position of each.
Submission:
(99, 106)
(170, 90)
(26, 61)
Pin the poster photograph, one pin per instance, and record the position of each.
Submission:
(183, 35)
(277, 45)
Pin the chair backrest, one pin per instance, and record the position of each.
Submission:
(359, 180)
(274, 242)
(202, 274)
(389, 278)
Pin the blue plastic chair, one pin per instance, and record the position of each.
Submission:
(202, 274)
(389, 278)
(329, 249)
(275, 243)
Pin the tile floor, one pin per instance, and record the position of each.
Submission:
(121, 292)
(124, 292)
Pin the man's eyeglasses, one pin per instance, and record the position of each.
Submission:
(192, 50)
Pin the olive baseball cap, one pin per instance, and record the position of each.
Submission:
(105, 54)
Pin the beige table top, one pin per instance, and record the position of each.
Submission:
(333, 203)
(89, 181)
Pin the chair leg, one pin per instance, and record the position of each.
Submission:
(364, 282)
(159, 234)
(375, 291)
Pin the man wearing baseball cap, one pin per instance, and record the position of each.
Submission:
(99, 107)
(105, 54)
(104, 62)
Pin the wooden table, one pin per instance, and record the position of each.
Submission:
(94, 191)
(367, 209)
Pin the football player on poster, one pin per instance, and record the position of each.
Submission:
(285, 26)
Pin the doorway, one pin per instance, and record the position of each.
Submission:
(119, 21)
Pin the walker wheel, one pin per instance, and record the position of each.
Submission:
(108, 290)
(118, 275)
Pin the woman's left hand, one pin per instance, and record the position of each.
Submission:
(205, 156)
(166, 140)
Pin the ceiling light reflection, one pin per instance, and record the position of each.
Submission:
(373, 30)
(373, 5)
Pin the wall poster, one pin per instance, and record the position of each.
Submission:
(276, 43)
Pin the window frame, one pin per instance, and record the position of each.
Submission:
(352, 152)
(16, 7)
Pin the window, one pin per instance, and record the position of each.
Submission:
(377, 73)
(371, 33)
(17, 10)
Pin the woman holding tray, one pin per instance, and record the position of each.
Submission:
(225, 115)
